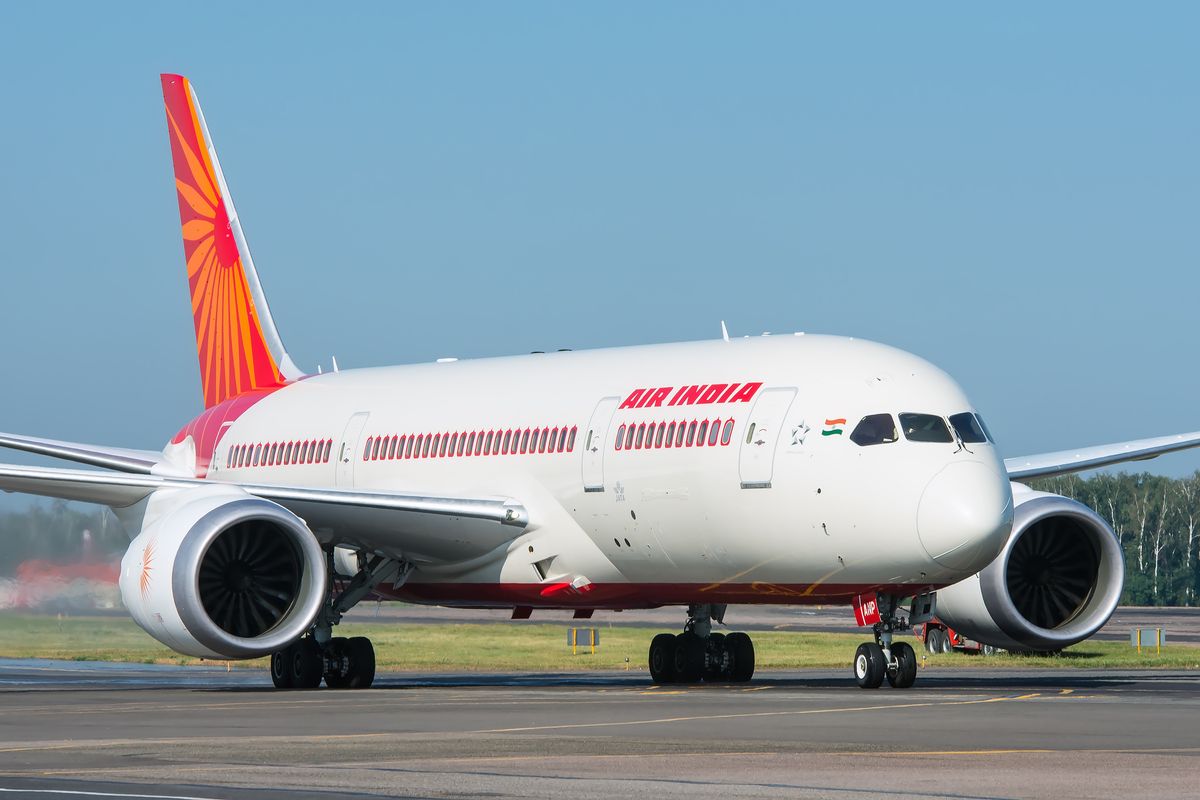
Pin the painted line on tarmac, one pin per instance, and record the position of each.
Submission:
(77, 792)
(754, 714)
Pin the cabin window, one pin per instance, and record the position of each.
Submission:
(507, 442)
(968, 428)
(679, 434)
(620, 437)
(274, 457)
(658, 435)
(691, 434)
(629, 434)
(445, 443)
(670, 439)
(727, 433)
(701, 432)
(571, 440)
(874, 429)
(925, 428)
(641, 434)
(545, 434)
(525, 441)
(367, 448)
(714, 433)
(287, 453)
(649, 435)
(562, 439)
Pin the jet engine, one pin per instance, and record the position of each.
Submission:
(1056, 581)
(217, 573)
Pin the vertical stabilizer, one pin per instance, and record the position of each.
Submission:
(236, 341)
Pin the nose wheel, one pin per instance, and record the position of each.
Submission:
(883, 658)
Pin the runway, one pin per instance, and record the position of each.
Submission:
(151, 731)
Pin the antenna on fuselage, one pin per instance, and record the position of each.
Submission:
(724, 331)
(334, 360)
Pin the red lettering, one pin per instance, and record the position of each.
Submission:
(690, 393)
(678, 394)
(632, 400)
(746, 393)
(727, 392)
(711, 394)
(656, 399)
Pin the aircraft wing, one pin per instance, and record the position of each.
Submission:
(118, 458)
(421, 527)
(1047, 465)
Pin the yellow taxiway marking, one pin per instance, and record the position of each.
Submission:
(752, 715)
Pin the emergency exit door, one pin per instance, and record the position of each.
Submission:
(760, 439)
(593, 444)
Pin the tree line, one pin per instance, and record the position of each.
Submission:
(1156, 518)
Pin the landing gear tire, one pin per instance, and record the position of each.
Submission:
(662, 658)
(281, 668)
(337, 672)
(741, 654)
(361, 653)
(905, 674)
(716, 659)
(869, 665)
(988, 650)
(945, 645)
(307, 664)
(689, 658)
(931, 641)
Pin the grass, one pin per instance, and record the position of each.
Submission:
(533, 647)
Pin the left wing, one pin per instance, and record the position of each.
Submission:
(429, 527)
(1047, 465)
(118, 458)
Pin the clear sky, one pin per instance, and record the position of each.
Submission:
(1010, 193)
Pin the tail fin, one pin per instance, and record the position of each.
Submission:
(238, 345)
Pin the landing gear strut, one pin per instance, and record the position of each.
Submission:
(698, 653)
(883, 658)
(343, 663)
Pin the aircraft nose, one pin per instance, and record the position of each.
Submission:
(965, 515)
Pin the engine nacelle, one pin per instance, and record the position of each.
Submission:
(1056, 581)
(217, 573)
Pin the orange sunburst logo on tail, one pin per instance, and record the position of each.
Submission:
(147, 568)
(234, 357)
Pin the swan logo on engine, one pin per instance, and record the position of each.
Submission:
(147, 568)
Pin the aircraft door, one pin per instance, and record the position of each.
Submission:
(760, 440)
(349, 448)
(593, 444)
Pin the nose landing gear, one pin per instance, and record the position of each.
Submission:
(699, 654)
(883, 658)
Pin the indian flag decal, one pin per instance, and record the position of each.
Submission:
(834, 427)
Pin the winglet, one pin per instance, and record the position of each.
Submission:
(239, 348)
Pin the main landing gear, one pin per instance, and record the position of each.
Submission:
(343, 663)
(699, 654)
(883, 658)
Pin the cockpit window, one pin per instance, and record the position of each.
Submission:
(925, 428)
(983, 427)
(874, 429)
(968, 428)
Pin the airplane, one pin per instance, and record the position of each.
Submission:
(797, 469)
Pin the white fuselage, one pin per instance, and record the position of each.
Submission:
(789, 511)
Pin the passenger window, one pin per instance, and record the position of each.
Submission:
(649, 435)
(328, 450)
(287, 454)
(679, 432)
(874, 429)
(620, 437)
(562, 440)
(691, 434)
(525, 441)
(453, 444)
(641, 435)
(658, 435)
(507, 442)
(727, 434)
(445, 444)
(701, 432)
(670, 438)
(545, 436)
(274, 454)
(629, 437)
(714, 433)
(925, 428)
(571, 440)
(750, 432)
(968, 428)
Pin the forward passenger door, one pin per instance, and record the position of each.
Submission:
(756, 463)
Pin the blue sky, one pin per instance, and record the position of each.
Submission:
(1013, 196)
